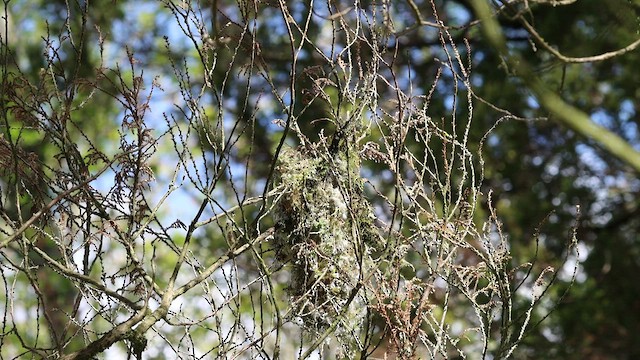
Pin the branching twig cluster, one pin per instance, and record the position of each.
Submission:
(350, 216)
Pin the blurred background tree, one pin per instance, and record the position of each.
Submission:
(232, 63)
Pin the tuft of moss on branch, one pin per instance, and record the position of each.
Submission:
(325, 233)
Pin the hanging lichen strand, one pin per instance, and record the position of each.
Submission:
(325, 233)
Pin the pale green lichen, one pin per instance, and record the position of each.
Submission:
(325, 232)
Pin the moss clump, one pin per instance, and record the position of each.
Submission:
(325, 232)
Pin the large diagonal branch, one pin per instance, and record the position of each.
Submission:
(115, 335)
(568, 115)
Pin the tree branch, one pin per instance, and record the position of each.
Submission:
(568, 115)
